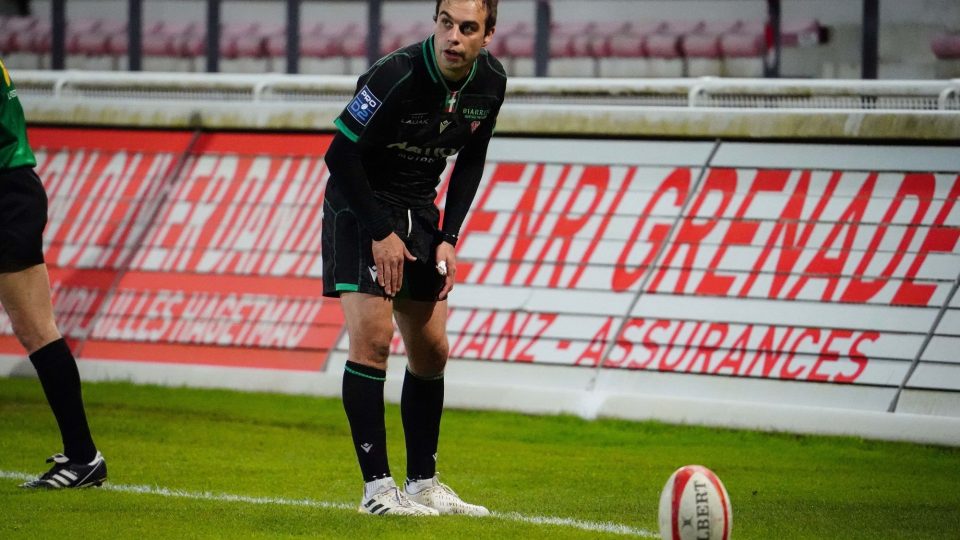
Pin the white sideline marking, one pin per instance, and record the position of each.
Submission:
(592, 526)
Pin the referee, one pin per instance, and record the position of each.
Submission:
(25, 296)
(385, 253)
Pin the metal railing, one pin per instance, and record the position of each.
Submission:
(700, 92)
(703, 108)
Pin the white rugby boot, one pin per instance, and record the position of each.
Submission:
(434, 494)
(383, 497)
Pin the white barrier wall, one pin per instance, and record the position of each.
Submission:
(800, 287)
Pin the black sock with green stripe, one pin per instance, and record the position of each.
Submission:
(421, 405)
(363, 403)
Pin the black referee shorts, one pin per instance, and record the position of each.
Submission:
(23, 216)
(348, 264)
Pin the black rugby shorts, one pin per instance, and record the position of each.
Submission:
(348, 264)
(23, 216)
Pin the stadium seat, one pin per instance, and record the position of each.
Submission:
(946, 46)
(355, 44)
(254, 44)
(664, 48)
(163, 39)
(321, 48)
(86, 31)
(630, 42)
(702, 48)
(562, 34)
(750, 39)
(624, 54)
(666, 43)
(400, 35)
(570, 54)
(37, 39)
(96, 39)
(322, 43)
(504, 32)
(118, 45)
(15, 32)
(194, 45)
(705, 42)
(596, 42)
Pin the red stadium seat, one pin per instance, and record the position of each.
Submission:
(15, 32)
(165, 38)
(324, 43)
(97, 42)
(632, 42)
(705, 43)
(84, 30)
(254, 44)
(193, 45)
(355, 44)
(946, 46)
(396, 36)
(740, 45)
(37, 39)
(519, 45)
(750, 40)
(596, 42)
(562, 36)
(503, 33)
(118, 44)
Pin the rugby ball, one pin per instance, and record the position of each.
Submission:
(695, 505)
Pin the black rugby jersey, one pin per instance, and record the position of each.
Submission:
(408, 120)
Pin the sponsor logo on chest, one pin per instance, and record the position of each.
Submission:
(423, 151)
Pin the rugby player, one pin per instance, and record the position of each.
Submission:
(25, 296)
(385, 253)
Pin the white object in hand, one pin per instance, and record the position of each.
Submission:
(442, 268)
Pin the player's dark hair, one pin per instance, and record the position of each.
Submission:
(489, 5)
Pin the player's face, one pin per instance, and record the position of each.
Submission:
(459, 36)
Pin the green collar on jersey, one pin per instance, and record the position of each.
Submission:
(430, 56)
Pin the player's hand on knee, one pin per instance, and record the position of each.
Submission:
(389, 254)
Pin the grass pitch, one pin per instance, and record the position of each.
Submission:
(187, 463)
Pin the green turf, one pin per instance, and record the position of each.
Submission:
(296, 447)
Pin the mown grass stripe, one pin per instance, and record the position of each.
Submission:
(592, 526)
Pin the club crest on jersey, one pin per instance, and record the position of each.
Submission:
(364, 106)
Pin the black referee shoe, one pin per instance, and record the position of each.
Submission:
(69, 474)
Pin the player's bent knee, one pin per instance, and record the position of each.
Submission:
(373, 353)
(33, 341)
(33, 332)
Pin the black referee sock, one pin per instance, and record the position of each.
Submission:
(421, 405)
(363, 403)
(60, 380)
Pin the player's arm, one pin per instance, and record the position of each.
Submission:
(365, 121)
(344, 159)
(347, 175)
(464, 182)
